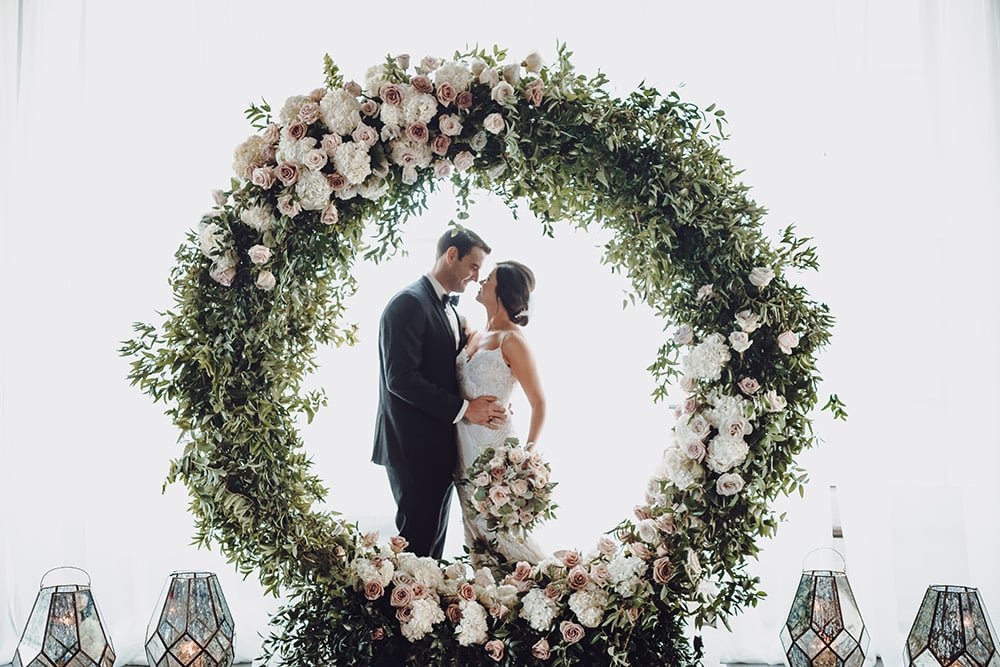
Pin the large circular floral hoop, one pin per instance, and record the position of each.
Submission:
(265, 279)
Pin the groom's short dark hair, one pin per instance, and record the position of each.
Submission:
(463, 239)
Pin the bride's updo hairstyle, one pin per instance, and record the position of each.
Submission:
(515, 282)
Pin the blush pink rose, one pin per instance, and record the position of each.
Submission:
(263, 177)
(328, 217)
(552, 591)
(309, 113)
(421, 84)
(640, 550)
(502, 93)
(370, 108)
(417, 132)
(288, 206)
(259, 254)
(296, 130)
(466, 591)
(571, 632)
(330, 142)
(600, 574)
(534, 92)
(391, 94)
(365, 134)
(541, 650)
(494, 123)
(464, 100)
(695, 450)
(373, 590)
(494, 649)
(429, 63)
(402, 596)
(397, 543)
(336, 181)
(440, 144)
(316, 159)
(786, 341)
(606, 546)
(522, 570)
(499, 495)
(749, 386)
(446, 94)
(223, 275)
(450, 125)
(404, 614)
(662, 570)
(353, 87)
(499, 611)
(442, 169)
(454, 613)
(378, 634)
(578, 578)
(568, 558)
(287, 173)
(464, 161)
(272, 133)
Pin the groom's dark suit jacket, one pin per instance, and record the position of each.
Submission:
(418, 388)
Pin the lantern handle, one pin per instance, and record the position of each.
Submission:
(41, 584)
(840, 555)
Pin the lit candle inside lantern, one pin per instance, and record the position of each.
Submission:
(187, 649)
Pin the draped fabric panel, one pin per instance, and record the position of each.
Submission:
(871, 126)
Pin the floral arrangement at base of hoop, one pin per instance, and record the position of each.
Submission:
(510, 489)
(266, 278)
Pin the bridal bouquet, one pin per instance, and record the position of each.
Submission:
(511, 490)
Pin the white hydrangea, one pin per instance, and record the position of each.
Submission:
(340, 111)
(708, 358)
(417, 107)
(589, 606)
(407, 153)
(352, 161)
(426, 613)
(538, 610)
(211, 237)
(260, 218)
(290, 111)
(473, 628)
(294, 150)
(725, 452)
(247, 154)
(678, 467)
(313, 191)
(374, 78)
(625, 573)
(504, 594)
(392, 117)
(455, 73)
(373, 188)
(724, 408)
(364, 569)
(423, 569)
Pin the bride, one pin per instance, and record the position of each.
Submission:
(493, 361)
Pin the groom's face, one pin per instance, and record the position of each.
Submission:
(465, 270)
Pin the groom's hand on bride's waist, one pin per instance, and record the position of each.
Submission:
(485, 411)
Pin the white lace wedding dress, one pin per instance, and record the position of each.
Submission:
(486, 373)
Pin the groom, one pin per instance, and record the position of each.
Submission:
(419, 399)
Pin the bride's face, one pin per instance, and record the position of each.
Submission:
(488, 289)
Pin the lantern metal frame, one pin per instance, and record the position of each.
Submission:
(951, 627)
(824, 626)
(191, 623)
(64, 628)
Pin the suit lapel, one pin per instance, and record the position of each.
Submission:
(435, 305)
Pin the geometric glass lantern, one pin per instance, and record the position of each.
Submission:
(824, 626)
(64, 629)
(191, 624)
(951, 628)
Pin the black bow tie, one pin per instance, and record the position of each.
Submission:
(449, 299)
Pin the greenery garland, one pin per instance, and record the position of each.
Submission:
(265, 281)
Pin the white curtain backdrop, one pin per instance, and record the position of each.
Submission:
(871, 125)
